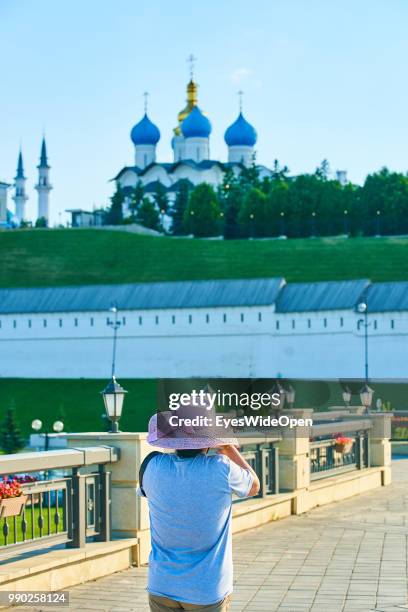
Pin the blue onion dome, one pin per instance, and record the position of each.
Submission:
(145, 132)
(196, 125)
(240, 133)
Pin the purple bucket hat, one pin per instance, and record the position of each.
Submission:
(183, 437)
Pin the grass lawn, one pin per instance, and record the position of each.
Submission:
(34, 257)
(79, 401)
(82, 405)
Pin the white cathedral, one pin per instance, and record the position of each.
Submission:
(20, 197)
(191, 151)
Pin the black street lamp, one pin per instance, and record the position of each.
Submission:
(366, 393)
(290, 395)
(313, 225)
(251, 225)
(366, 397)
(278, 389)
(362, 308)
(378, 224)
(346, 224)
(346, 396)
(282, 223)
(114, 394)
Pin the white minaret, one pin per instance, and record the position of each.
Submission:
(43, 187)
(20, 198)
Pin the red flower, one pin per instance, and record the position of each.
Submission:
(10, 488)
(343, 440)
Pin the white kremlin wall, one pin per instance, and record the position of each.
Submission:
(240, 341)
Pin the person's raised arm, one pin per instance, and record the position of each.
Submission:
(234, 455)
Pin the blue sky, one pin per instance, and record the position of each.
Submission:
(321, 80)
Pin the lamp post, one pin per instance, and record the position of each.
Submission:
(366, 393)
(282, 224)
(346, 225)
(346, 396)
(114, 394)
(279, 390)
(366, 396)
(251, 225)
(58, 427)
(313, 233)
(378, 224)
(362, 308)
(290, 395)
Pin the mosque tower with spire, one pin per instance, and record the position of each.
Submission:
(43, 186)
(20, 197)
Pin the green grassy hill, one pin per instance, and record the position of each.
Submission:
(60, 257)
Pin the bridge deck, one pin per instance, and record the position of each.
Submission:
(351, 555)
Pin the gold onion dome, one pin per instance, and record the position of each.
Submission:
(192, 99)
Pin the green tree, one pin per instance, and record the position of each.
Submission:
(11, 440)
(277, 208)
(136, 198)
(253, 214)
(41, 222)
(147, 214)
(383, 202)
(179, 207)
(279, 172)
(115, 212)
(230, 196)
(202, 217)
(160, 197)
(249, 177)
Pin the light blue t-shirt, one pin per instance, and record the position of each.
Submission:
(190, 521)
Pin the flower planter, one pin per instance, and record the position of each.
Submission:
(12, 506)
(343, 448)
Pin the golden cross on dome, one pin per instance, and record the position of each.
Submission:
(191, 60)
(146, 98)
(240, 95)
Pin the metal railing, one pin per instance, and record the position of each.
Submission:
(399, 426)
(69, 503)
(264, 460)
(326, 459)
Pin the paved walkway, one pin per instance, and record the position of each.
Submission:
(347, 556)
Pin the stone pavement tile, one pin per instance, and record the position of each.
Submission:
(294, 607)
(260, 607)
(323, 608)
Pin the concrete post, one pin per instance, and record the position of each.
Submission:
(294, 462)
(380, 444)
(130, 516)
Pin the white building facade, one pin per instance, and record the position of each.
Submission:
(235, 329)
